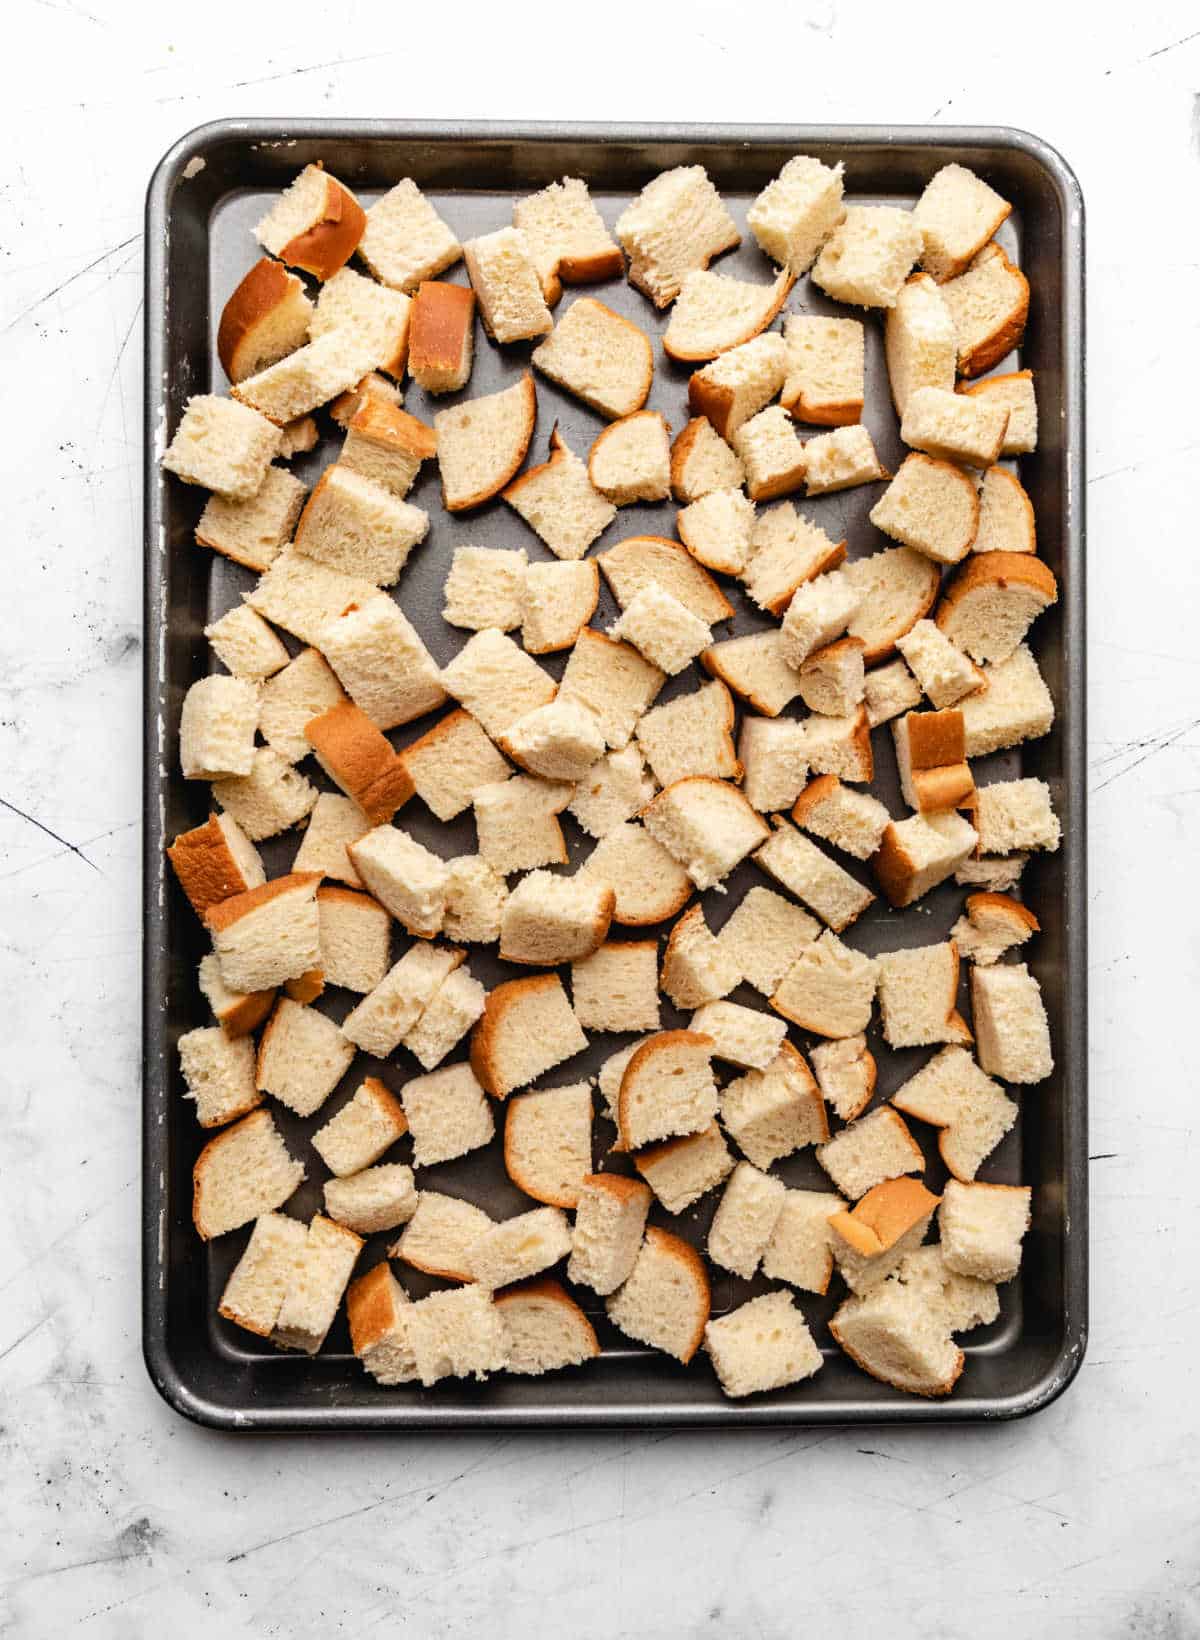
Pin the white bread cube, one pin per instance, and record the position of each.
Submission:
(315, 223)
(990, 604)
(826, 369)
(717, 529)
(268, 800)
(438, 1235)
(457, 1003)
(544, 1329)
(786, 551)
(566, 237)
(558, 741)
(697, 969)
(742, 1036)
(254, 1293)
(378, 1198)
(666, 1301)
(754, 668)
(245, 644)
(265, 319)
(1016, 705)
(845, 1073)
(738, 384)
(870, 1151)
(918, 989)
(1010, 1023)
(649, 884)
(382, 663)
(268, 934)
(939, 666)
(919, 853)
(385, 444)
(455, 1335)
(888, 1224)
(714, 313)
(616, 987)
(796, 212)
(309, 377)
(972, 1112)
(775, 762)
(243, 1172)
(548, 1143)
(517, 823)
(829, 989)
(550, 919)
(701, 462)
(507, 286)
(216, 728)
(989, 304)
(610, 1216)
(775, 460)
(833, 678)
(931, 506)
(957, 214)
(852, 821)
(475, 896)
(375, 316)
(643, 561)
(612, 791)
(919, 341)
(775, 1109)
(609, 1079)
(237, 1012)
(215, 861)
(1017, 394)
(662, 629)
(302, 1056)
(379, 1022)
(994, 923)
(1006, 521)
(403, 876)
(560, 503)
(631, 459)
(954, 426)
(707, 825)
(614, 682)
(560, 600)
(219, 1072)
(764, 936)
(356, 938)
(982, 1227)
(1016, 814)
(319, 1279)
(404, 240)
(677, 223)
(451, 762)
(680, 1171)
(303, 596)
(745, 1219)
(800, 1251)
(527, 1028)
(362, 1130)
(667, 1089)
(359, 758)
(306, 688)
(225, 446)
(930, 751)
(892, 1333)
(485, 588)
(441, 336)
(374, 389)
(448, 1115)
(599, 356)
(355, 526)
(377, 1308)
(888, 691)
(520, 1247)
(496, 681)
(690, 735)
(763, 1344)
(819, 612)
(809, 873)
(898, 586)
(482, 442)
(253, 530)
(868, 256)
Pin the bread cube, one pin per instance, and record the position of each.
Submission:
(829, 989)
(796, 213)
(361, 1131)
(826, 369)
(666, 633)
(403, 876)
(745, 1219)
(382, 662)
(485, 588)
(501, 269)
(548, 1143)
(982, 1227)
(223, 445)
(216, 728)
(870, 1151)
(447, 1113)
(1010, 1023)
(616, 987)
(559, 502)
(775, 1109)
(869, 255)
(451, 762)
(496, 681)
(404, 240)
(763, 1344)
(676, 223)
(666, 1301)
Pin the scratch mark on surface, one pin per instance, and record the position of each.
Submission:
(314, 68)
(28, 1333)
(1152, 749)
(51, 294)
(69, 846)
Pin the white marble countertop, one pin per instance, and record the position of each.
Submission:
(120, 1518)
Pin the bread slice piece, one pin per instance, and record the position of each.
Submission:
(303, 596)
(302, 1056)
(845, 1073)
(696, 968)
(559, 502)
(360, 759)
(707, 825)
(649, 884)
(517, 823)
(388, 1013)
(701, 462)
(616, 987)
(644, 561)
(825, 381)
(918, 990)
(548, 1143)
(714, 313)
(252, 532)
(667, 1089)
(898, 587)
(833, 678)
(610, 1216)
(775, 460)
(989, 305)
(305, 689)
(265, 319)
(216, 728)
(507, 286)
(745, 1219)
(961, 1302)
(680, 1171)
(316, 223)
(438, 1235)
(840, 459)
(1016, 705)
(447, 1113)
(254, 1293)
(742, 1036)
(520, 1247)
(267, 934)
(951, 1093)
(362, 1130)
(677, 223)
(840, 745)
(245, 644)
(543, 1329)
(272, 797)
(549, 920)
(236, 1012)
(787, 551)
(527, 1028)
(739, 383)
(455, 1335)
(482, 442)
(600, 357)
(919, 853)
(957, 214)
(666, 1300)
(797, 211)
(385, 444)
(930, 748)
(954, 427)
(808, 873)
(887, 1224)
(613, 790)
(375, 315)
(218, 1070)
(1015, 391)
(690, 735)
(852, 821)
(868, 1152)
(496, 681)
(717, 529)
(298, 437)
(829, 989)
(631, 459)
(560, 600)
(1016, 814)
(242, 1173)
(441, 336)
(451, 762)
(997, 876)
(222, 445)
(404, 240)
(609, 1079)
(868, 256)
(613, 681)
(775, 1109)
(800, 1251)
(566, 237)
(374, 388)
(355, 526)
(1006, 521)
(377, 1309)
(895, 1335)
(356, 938)
(888, 691)
(940, 667)
(664, 631)
(993, 924)
(931, 506)
(1010, 1023)
(559, 741)
(381, 661)
(378, 1198)
(982, 1227)
(754, 668)
(308, 378)
(919, 341)
(475, 896)
(775, 761)
(819, 612)
(764, 936)
(404, 876)
(990, 604)
(215, 861)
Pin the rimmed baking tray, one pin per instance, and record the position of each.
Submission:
(203, 199)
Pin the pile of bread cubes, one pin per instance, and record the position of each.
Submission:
(674, 796)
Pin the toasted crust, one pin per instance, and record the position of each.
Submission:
(517, 455)
(716, 606)
(827, 413)
(887, 1212)
(621, 1188)
(997, 569)
(660, 1042)
(220, 917)
(943, 1388)
(485, 1036)
(205, 866)
(600, 927)
(331, 241)
(385, 423)
(1002, 905)
(819, 788)
(780, 290)
(370, 1308)
(713, 400)
(692, 1269)
(360, 758)
(935, 738)
(894, 868)
(949, 787)
(248, 1015)
(262, 290)
(306, 987)
(1008, 332)
(440, 333)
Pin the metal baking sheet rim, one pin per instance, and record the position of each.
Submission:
(184, 159)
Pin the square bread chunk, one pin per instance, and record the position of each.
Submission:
(486, 587)
(517, 823)
(382, 663)
(496, 681)
(267, 934)
(387, 1014)
(826, 369)
(507, 286)
(548, 1143)
(451, 762)
(765, 935)
(682, 1170)
(214, 861)
(800, 1250)
(957, 214)
(917, 993)
(216, 728)
(982, 1227)
(763, 1344)
(1010, 1023)
(662, 629)
(560, 503)
(869, 255)
(403, 876)
(303, 596)
(829, 989)
(405, 240)
(242, 1172)
(527, 1027)
(772, 1112)
(378, 1198)
(666, 1300)
(457, 1003)
(795, 214)
(302, 1057)
(610, 1217)
(616, 988)
(255, 1291)
(600, 357)
(845, 1071)
(614, 682)
(812, 876)
(707, 825)
(745, 1219)
(355, 526)
(361, 1131)
(219, 1073)
(868, 1152)
(439, 1234)
(612, 791)
(252, 531)
(774, 758)
(448, 1114)
(222, 445)
(740, 1036)
(356, 938)
(520, 1247)
(678, 222)
(244, 643)
(560, 600)
(972, 1112)
(475, 896)
(334, 823)
(667, 1089)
